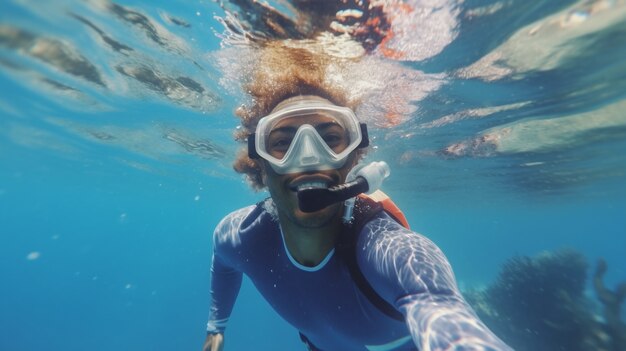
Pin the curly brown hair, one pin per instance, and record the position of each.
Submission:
(281, 72)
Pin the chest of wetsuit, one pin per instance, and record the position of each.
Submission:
(323, 302)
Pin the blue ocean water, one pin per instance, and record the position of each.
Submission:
(116, 144)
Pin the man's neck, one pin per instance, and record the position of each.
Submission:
(309, 246)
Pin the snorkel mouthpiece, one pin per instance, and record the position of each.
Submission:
(315, 199)
(361, 179)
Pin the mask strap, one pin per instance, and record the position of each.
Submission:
(365, 140)
(252, 147)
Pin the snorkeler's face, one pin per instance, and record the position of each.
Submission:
(307, 135)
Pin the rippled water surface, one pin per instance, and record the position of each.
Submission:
(503, 122)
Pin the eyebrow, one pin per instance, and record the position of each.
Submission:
(284, 130)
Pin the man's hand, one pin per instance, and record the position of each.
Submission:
(213, 342)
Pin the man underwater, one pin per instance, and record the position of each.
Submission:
(347, 278)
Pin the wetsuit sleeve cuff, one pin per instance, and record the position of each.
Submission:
(216, 326)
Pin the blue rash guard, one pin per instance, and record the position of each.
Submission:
(324, 303)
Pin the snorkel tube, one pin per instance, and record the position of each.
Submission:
(361, 179)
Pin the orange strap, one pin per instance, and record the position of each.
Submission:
(389, 206)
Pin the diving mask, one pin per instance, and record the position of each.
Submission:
(306, 134)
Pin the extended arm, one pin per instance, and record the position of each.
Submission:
(411, 272)
(446, 322)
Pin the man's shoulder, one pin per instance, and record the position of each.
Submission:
(227, 230)
(383, 222)
(386, 250)
(236, 217)
(383, 231)
(240, 224)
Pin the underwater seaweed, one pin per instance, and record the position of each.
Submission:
(612, 302)
(538, 303)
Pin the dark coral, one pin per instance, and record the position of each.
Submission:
(539, 304)
(611, 302)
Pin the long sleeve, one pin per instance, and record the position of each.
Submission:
(225, 284)
(410, 272)
(226, 275)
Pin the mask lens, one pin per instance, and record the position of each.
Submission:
(279, 141)
(329, 128)
(334, 135)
